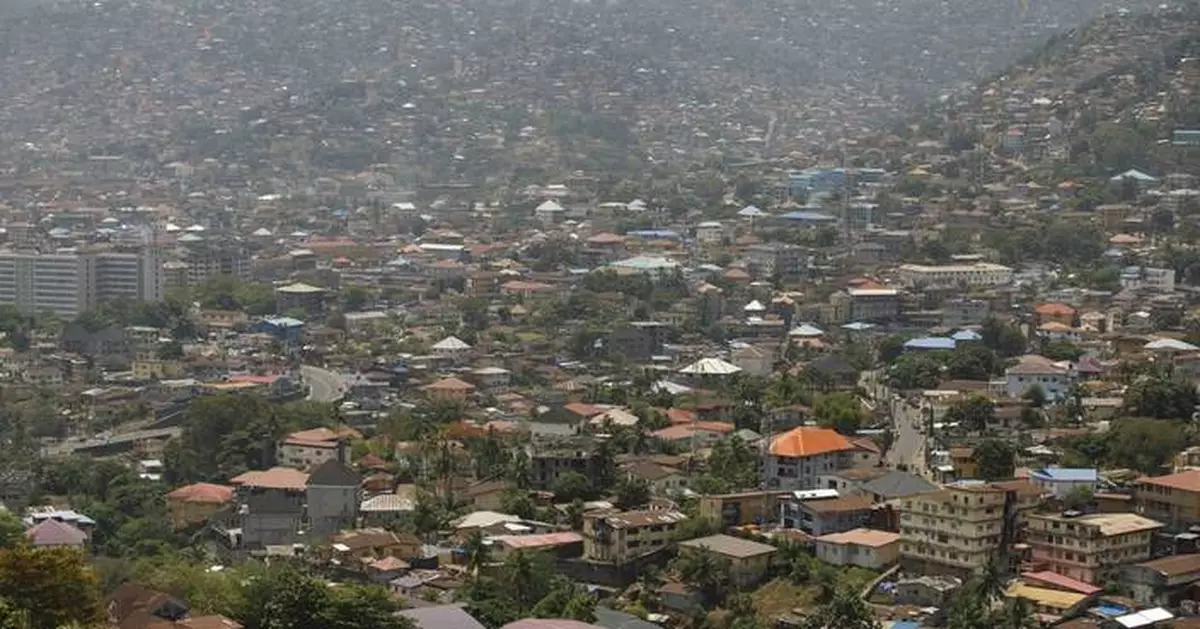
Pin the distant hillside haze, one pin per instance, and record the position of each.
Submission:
(91, 72)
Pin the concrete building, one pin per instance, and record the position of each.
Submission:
(270, 509)
(1032, 370)
(878, 305)
(1173, 499)
(332, 496)
(797, 457)
(770, 259)
(618, 538)
(976, 275)
(548, 463)
(300, 296)
(958, 313)
(70, 283)
(749, 561)
(749, 507)
(1089, 547)
(308, 449)
(1165, 581)
(955, 530)
(1061, 481)
(204, 259)
(637, 340)
(195, 504)
(865, 548)
(824, 516)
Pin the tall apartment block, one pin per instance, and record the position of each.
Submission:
(67, 284)
(200, 261)
(954, 531)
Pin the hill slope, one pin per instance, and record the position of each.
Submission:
(165, 80)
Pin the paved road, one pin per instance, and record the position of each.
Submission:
(323, 385)
(908, 446)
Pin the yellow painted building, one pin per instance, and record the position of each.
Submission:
(955, 530)
(1173, 499)
(621, 537)
(1086, 547)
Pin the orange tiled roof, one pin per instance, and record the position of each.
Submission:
(450, 384)
(1054, 309)
(274, 478)
(680, 416)
(202, 492)
(809, 441)
(1187, 481)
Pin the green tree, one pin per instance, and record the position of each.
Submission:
(566, 600)
(975, 413)
(891, 348)
(1006, 340)
(632, 492)
(1036, 396)
(53, 587)
(286, 598)
(12, 532)
(996, 459)
(1017, 613)
(518, 503)
(1078, 498)
(967, 611)
(223, 436)
(478, 553)
(916, 371)
(839, 411)
(1161, 397)
(973, 362)
(707, 573)
(1061, 350)
(571, 485)
(1144, 444)
(845, 610)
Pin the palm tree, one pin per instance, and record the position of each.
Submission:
(648, 583)
(845, 610)
(519, 469)
(704, 572)
(1016, 614)
(478, 553)
(990, 582)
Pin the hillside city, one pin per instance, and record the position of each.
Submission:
(583, 315)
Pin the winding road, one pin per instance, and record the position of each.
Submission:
(323, 384)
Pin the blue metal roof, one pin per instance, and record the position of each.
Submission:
(966, 335)
(1067, 474)
(654, 233)
(931, 342)
(812, 217)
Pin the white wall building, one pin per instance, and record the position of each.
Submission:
(978, 274)
(1032, 370)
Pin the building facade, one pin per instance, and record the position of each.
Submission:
(798, 457)
(618, 538)
(67, 284)
(1173, 499)
(976, 275)
(1089, 547)
(956, 530)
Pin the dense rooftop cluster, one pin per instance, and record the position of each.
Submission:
(593, 315)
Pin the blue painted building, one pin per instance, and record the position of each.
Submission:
(286, 329)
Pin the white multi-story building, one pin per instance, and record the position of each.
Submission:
(796, 458)
(1148, 278)
(975, 275)
(1031, 370)
(69, 283)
